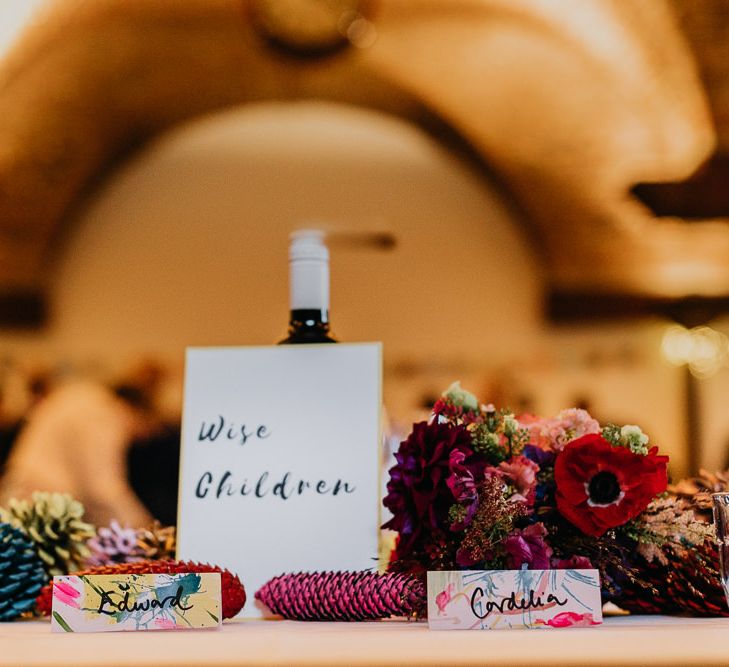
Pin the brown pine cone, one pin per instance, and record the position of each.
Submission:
(697, 490)
(157, 542)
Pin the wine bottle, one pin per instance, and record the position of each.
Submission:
(308, 289)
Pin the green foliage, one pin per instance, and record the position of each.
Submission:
(456, 513)
(611, 433)
(488, 443)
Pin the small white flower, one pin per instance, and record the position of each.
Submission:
(511, 426)
(632, 437)
(633, 433)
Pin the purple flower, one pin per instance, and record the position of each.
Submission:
(113, 544)
(528, 547)
(461, 481)
(418, 494)
(572, 563)
(462, 484)
(542, 457)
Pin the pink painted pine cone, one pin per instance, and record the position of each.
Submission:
(343, 596)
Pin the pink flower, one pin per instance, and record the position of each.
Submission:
(553, 434)
(528, 547)
(577, 422)
(544, 433)
(164, 624)
(521, 473)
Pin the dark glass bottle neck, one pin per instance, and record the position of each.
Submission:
(308, 326)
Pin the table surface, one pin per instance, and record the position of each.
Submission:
(636, 640)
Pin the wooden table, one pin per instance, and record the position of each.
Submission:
(639, 640)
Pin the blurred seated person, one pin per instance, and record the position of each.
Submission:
(76, 441)
(38, 385)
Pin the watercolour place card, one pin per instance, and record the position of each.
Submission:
(120, 602)
(502, 599)
(280, 460)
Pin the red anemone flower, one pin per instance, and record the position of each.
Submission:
(600, 486)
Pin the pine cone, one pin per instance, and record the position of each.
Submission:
(694, 583)
(343, 596)
(233, 593)
(686, 584)
(157, 541)
(53, 522)
(697, 490)
(114, 544)
(652, 596)
(21, 573)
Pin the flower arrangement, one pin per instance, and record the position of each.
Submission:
(480, 488)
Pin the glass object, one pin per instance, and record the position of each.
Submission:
(721, 524)
(309, 289)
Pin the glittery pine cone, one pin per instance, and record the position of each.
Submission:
(21, 573)
(343, 596)
(113, 544)
(233, 593)
(685, 584)
(695, 583)
(54, 522)
(157, 541)
(652, 596)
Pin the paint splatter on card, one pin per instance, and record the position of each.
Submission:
(501, 599)
(111, 603)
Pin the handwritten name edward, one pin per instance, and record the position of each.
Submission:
(172, 601)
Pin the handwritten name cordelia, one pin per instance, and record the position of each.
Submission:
(510, 603)
(171, 601)
(284, 487)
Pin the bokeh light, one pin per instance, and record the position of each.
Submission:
(703, 349)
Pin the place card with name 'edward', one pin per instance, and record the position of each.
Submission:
(502, 599)
(121, 602)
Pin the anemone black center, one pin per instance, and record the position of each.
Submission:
(604, 488)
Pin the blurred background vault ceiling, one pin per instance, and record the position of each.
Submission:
(605, 122)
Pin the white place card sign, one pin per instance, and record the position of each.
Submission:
(505, 599)
(280, 460)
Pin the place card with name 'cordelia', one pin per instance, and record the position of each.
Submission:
(502, 599)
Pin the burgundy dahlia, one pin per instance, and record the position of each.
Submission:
(418, 493)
